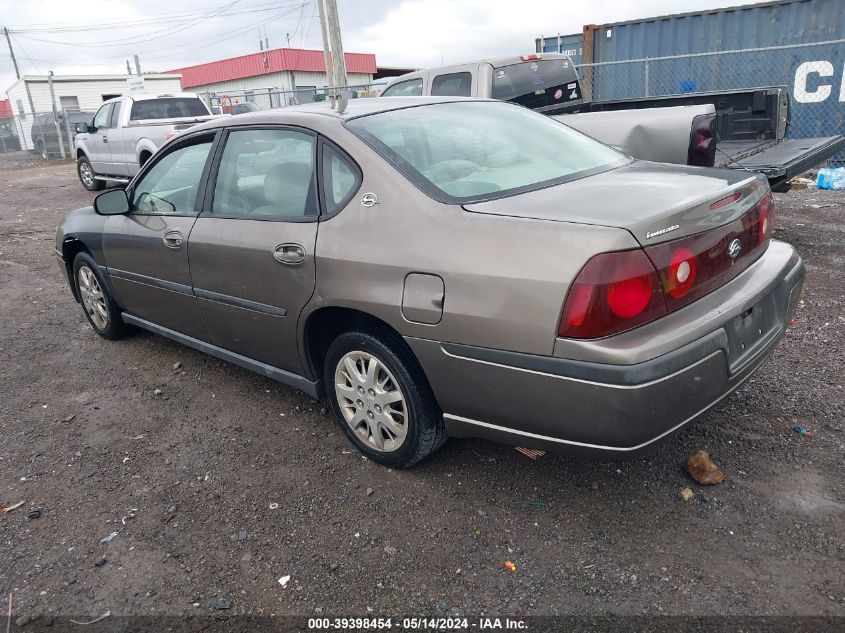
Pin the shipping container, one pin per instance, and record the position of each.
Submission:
(748, 26)
(799, 44)
(567, 44)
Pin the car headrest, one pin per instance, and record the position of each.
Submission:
(286, 185)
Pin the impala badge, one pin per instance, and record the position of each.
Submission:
(734, 248)
(369, 199)
(668, 229)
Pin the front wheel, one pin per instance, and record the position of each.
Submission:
(382, 399)
(86, 175)
(99, 306)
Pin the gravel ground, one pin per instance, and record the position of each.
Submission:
(235, 481)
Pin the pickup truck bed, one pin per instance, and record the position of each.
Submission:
(750, 125)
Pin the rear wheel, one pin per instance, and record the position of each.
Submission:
(86, 175)
(99, 307)
(381, 398)
(39, 147)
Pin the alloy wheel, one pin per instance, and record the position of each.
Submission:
(86, 174)
(371, 401)
(92, 297)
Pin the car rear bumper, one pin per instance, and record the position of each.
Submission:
(577, 405)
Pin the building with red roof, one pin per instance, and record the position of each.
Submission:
(275, 77)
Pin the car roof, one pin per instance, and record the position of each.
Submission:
(355, 108)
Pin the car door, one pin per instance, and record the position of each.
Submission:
(99, 154)
(252, 248)
(146, 250)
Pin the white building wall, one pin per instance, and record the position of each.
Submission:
(278, 81)
(89, 92)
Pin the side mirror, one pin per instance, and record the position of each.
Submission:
(81, 127)
(113, 202)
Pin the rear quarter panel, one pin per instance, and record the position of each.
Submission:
(505, 277)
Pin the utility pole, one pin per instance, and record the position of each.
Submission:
(128, 68)
(55, 116)
(327, 55)
(12, 53)
(337, 53)
(137, 65)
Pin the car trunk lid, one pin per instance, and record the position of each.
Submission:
(654, 201)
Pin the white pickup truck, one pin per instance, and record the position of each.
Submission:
(127, 130)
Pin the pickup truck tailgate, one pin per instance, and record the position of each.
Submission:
(778, 161)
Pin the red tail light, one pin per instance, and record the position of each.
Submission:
(614, 292)
(702, 144)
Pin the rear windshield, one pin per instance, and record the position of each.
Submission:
(479, 150)
(167, 108)
(542, 84)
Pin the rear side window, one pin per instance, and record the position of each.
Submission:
(452, 85)
(340, 179)
(411, 88)
(167, 108)
(267, 175)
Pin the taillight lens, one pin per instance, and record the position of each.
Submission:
(702, 145)
(614, 292)
(694, 266)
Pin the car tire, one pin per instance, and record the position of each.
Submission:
(97, 303)
(86, 175)
(41, 150)
(397, 374)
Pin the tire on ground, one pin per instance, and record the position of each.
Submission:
(96, 185)
(426, 431)
(115, 328)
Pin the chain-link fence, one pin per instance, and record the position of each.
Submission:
(813, 73)
(237, 101)
(41, 133)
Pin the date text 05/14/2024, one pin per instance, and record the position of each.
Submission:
(420, 624)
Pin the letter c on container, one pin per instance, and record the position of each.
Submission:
(800, 91)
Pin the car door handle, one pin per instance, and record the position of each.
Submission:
(105, 139)
(289, 253)
(173, 239)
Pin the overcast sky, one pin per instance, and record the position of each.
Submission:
(54, 35)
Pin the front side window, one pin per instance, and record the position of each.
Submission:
(267, 174)
(172, 183)
(452, 85)
(101, 119)
(340, 179)
(481, 150)
(411, 88)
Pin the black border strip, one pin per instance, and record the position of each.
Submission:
(183, 289)
(237, 302)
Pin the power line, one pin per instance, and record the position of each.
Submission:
(44, 27)
(138, 39)
(196, 44)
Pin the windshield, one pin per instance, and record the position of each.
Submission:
(541, 84)
(169, 108)
(475, 150)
